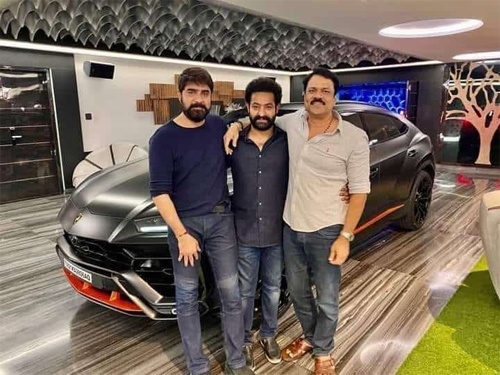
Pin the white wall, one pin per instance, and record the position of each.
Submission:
(113, 102)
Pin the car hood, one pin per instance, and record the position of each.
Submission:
(105, 205)
(121, 191)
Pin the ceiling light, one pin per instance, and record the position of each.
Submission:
(431, 28)
(375, 67)
(492, 55)
(100, 53)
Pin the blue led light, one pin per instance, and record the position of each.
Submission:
(389, 95)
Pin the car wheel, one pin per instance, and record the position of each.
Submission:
(418, 204)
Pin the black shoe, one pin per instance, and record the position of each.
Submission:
(248, 352)
(271, 350)
(245, 370)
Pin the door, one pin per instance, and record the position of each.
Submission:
(28, 166)
(390, 147)
(373, 203)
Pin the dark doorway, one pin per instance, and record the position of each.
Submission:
(28, 142)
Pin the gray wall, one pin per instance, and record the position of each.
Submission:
(430, 91)
(66, 100)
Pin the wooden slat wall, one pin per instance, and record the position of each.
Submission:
(145, 105)
(238, 94)
(159, 93)
(224, 87)
(162, 91)
(161, 110)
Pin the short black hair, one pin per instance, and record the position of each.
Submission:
(195, 75)
(324, 73)
(263, 84)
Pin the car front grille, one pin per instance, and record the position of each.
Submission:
(154, 265)
(151, 262)
(100, 253)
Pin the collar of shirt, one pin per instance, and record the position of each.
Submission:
(246, 130)
(303, 115)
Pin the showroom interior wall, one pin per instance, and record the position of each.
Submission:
(430, 90)
(112, 103)
(471, 125)
(66, 100)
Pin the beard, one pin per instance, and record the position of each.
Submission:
(195, 112)
(258, 124)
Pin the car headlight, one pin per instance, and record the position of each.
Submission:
(154, 224)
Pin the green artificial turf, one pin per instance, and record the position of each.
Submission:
(465, 339)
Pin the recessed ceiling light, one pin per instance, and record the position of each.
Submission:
(492, 55)
(431, 28)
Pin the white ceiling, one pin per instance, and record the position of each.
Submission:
(362, 19)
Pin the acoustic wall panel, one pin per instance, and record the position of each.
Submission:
(185, 28)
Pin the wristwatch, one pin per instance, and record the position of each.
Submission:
(349, 236)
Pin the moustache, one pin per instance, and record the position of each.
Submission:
(317, 100)
(194, 106)
(256, 118)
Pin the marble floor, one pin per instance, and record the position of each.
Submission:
(390, 295)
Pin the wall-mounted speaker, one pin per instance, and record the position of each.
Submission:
(98, 70)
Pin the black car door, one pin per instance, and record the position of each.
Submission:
(373, 202)
(389, 149)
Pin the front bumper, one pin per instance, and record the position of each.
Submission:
(122, 290)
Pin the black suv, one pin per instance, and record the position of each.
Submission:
(114, 248)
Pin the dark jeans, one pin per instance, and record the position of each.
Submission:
(306, 264)
(216, 236)
(270, 261)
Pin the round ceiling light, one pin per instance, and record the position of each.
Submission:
(431, 28)
(492, 55)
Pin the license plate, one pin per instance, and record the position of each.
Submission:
(77, 271)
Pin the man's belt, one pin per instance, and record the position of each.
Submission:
(222, 207)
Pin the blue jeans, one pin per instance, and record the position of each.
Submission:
(306, 264)
(270, 262)
(216, 236)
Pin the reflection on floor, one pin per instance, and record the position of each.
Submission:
(390, 295)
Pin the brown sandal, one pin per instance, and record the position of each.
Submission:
(324, 366)
(296, 350)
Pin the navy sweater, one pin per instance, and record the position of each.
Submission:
(189, 164)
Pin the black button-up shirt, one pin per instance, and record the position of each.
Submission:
(260, 181)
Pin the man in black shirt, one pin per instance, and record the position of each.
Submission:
(259, 166)
(188, 183)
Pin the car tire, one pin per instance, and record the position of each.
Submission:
(418, 203)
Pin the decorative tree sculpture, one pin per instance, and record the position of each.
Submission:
(478, 102)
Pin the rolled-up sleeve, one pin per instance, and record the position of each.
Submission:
(358, 167)
(161, 167)
(281, 122)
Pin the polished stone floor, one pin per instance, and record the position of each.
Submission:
(390, 295)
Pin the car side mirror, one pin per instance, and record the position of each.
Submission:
(373, 142)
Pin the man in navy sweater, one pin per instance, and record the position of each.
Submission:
(188, 183)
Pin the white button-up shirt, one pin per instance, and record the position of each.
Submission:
(318, 170)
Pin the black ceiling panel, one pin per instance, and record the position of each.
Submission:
(187, 29)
